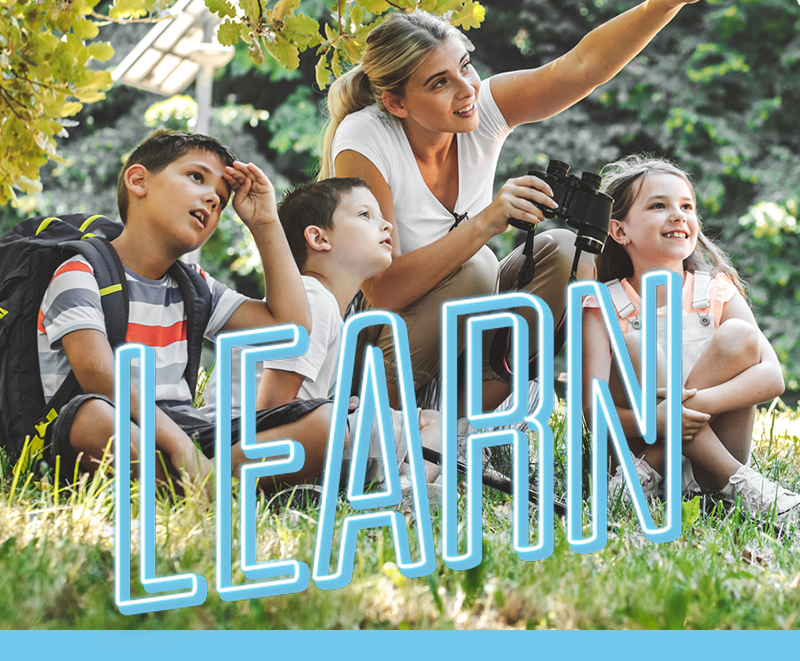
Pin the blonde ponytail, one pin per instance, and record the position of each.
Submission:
(348, 94)
(395, 49)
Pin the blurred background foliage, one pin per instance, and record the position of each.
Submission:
(717, 91)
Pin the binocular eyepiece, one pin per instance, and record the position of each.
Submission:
(580, 204)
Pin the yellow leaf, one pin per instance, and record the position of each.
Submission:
(284, 8)
(69, 109)
(285, 52)
(375, 6)
(354, 49)
(85, 29)
(221, 8)
(331, 33)
(336, 67)
(101, 51)
(229, 32)
(322, 72)
(470, 16)
(251, 9)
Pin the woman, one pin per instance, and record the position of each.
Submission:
(416, 123)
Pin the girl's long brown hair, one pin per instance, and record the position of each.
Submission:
(623, 180)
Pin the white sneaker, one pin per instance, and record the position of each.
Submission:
(689, 486)
(464, 429)
(762, 496)
(649, 478)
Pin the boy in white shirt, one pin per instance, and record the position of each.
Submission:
(339, 239)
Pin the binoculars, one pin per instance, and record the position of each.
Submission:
(580, 204)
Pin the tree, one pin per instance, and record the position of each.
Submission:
(47, 50)
(46, 53)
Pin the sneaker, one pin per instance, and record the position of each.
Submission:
(407, 494)
(689, 486)
(762, 496)
(649, 478)
(464, 429)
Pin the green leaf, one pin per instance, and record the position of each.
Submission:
(285, 52)
(690, 514)
(470, 16)
(302, 30)
(85, 29)
(221, 8)
(229, 32)
(331, 31)
(101, 51)
(356, 14)
(283, 9)
(443, 6)
(251, 9)
(322, 72)
(375, 6)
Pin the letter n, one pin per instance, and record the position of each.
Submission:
(604, 413)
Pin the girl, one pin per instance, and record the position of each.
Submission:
(416, 123)
(728, 364)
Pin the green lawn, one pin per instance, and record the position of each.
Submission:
(57, 565)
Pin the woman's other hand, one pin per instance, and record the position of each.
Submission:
(518, 198)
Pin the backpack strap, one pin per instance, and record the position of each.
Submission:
(114, 297)
(111, 280)
(197, 302)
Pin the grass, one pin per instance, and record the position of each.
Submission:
(57, 565)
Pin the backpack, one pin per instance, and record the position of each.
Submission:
(30, 253)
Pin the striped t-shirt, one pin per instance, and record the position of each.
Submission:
(156, 319)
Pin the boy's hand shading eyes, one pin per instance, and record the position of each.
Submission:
(254, 195)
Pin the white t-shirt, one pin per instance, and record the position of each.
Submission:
(317, 365)
(421, 218)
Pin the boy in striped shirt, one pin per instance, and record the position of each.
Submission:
(170, 194)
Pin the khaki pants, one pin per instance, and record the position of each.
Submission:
(482, 275)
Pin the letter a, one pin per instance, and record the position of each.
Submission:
(374, 403)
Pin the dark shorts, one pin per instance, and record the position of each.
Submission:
(202, 433)
(56, 439)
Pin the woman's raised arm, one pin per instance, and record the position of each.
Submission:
(536, 94)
